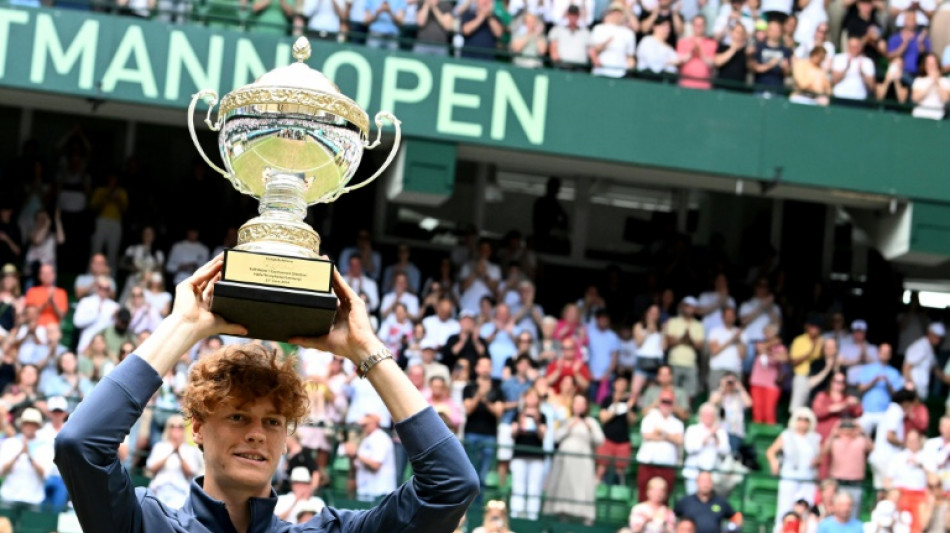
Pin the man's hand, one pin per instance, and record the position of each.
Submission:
(351, 335)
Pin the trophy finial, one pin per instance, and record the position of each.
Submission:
(301, 49)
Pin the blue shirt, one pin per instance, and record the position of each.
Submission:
(501, 348)
(877, 398)
(601, 345)
(832, 525)
(911, 54)
(512, 389)
(384, 24)
(435, 498)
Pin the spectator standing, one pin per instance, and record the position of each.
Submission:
(156, 295)
(109, 204)
(500, 335)
(570, 486)
(480, 276)
(706, 443)
(435, 20)
(800, 447)
(12, 301)
(144, 317)
(697, 55)
(612, 44)
(659, 454)
(11, 239)
(140, 260)
(528, 315)
(383, 20)
(322, 18)
(173, 463)
(44, 237)
(877, 381)
(808, 43)
(363, 284)
(651, 346)
(812, 86)
(465, 344)
(705, 508)
(25, 461)
(733, 400)
(771, 60)
(727, 347)
(405, 266)
(732, 64)
(655, 56)
(805, 349)
(617, 413)
(400, 293)
(442, 325)
(889, 437)
(185, 256)
(603, 349)
(908, 472)
(930, 90)
(67, 381)
(892, 89)
(370, 259)
(834, 404)
(757, 313)
(567, 44)
(711, 303)
(482, 30)
(856, 351)
(373, 459)
(569, 365)
(685, 336)
(651, 514)
(441, 400)
(919, 360)
(656, 12)
(85, 283)
(846, 451)
(95, 312)
(512, 389)
(650, 399)
(910, 43)
(852, 73)
(484, 406)
(528, 42)
(528, 428)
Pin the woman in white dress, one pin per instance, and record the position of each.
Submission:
(800, 450)
(571, 484)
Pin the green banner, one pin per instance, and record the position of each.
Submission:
(492, 103)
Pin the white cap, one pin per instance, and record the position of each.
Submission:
(938, 329)
(31, 414)
(859, 325)
(300, 474)
(690, 301)
(429, 344)
(57, 403)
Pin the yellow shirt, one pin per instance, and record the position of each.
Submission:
(684, 354)
(109, 207)
(801, 346)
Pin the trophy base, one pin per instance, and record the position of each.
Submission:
(274, 313)
(275, 297)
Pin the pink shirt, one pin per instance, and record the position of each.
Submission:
(695, 71)
(848, 458)
(764, 375)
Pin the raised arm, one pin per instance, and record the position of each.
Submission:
(87, 447)
(444, 483)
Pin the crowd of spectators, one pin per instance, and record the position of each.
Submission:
(548, 401)
(892, 52)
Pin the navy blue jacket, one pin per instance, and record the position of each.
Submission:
(434, 500)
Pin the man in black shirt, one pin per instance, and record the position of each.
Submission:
(731, 60)
(484, 405)
(706, 509)
(617, 412)
(466, 344)
(770, 61)
(664, 12)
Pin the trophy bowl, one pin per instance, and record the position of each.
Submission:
(290, 139)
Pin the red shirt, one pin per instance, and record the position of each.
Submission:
(826, 419)
(39, 297)
(566, 370)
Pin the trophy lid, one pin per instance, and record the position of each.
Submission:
(296, 88)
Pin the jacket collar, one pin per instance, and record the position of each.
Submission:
(213, 514)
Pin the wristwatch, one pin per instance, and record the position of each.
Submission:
(372, 361)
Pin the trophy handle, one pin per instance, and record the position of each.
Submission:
(200, 95)
(392, 153)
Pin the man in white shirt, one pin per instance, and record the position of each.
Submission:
(399, 294)
(186, 256)
(919, 360)
(756, 313)
(441, 325)
(25, 461)
(558, 12)
(727, 347)
(374, 460)
(659, 454)
(613, 44)
(654, 54)
(889, 439)
(299, 498)
(478, 278)
(567, 44)
(936, 452)
(361, 283)
(852, 73)
(95, 312)
(711, 303)
(323, 18)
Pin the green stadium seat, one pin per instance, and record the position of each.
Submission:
(37, 522)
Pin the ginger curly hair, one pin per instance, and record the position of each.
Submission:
(244, 373)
